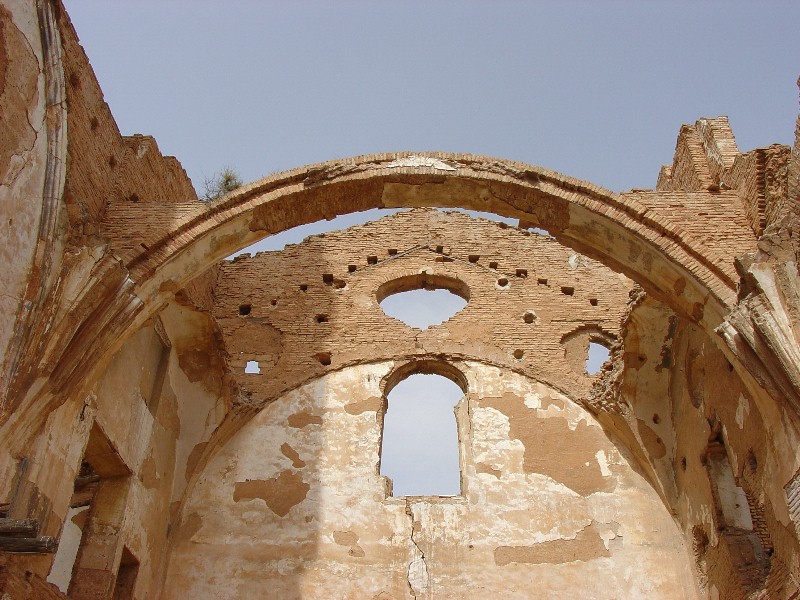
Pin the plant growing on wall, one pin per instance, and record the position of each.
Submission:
(220, 183)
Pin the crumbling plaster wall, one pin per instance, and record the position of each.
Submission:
(294, 504)
(674, 392)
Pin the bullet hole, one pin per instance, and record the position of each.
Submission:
(244, 309)
(541, 281)
(492, 265)
(324, 358)
(473, 258)
(523, 273)
(567, 291)
(518, 354)
(351, 268)
(593, 301)
(372, 260)
(529, 317)
(656, 419)
(321, 318)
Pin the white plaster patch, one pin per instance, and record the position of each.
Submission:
(421, 161)
(533, 400)
(573, 261)
(742, 411)
(601, 460)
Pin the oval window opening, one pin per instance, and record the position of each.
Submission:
(423, 300)
(419, 449)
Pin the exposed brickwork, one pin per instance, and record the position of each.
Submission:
(509, 273)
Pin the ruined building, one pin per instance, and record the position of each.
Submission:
(173, 425)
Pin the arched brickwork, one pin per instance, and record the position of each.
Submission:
(617, 230)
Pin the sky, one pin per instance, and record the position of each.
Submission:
(596, 90)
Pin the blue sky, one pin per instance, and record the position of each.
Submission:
(596, 90)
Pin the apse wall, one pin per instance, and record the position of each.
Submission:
(293, 505)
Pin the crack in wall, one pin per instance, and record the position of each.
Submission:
(417, 572)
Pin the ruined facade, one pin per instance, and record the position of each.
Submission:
(140, 458)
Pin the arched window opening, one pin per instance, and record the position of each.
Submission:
(419, 450)
(423, 300)
(596, 357)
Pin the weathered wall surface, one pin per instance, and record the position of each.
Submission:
(294, 505)
(115, 357)
(318, 302)
(719, 455)
(23, 158)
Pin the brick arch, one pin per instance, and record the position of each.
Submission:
(616, 230)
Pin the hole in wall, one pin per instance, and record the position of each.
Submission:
(419, 446)
(94, 124)
(244, 309)
(567, 290)
(529, 317)
(522, 273)
(303, 287)
(391, 251)
(473, 258)
(351, 268)
(372, 260)
(596, 357)
(324, 358)
(502, 282)
(518, 354)
(321, 318)
(492, 265)
(541, 281)
(252, 367)
(593, 301)
(422, 300)
(112, 162)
